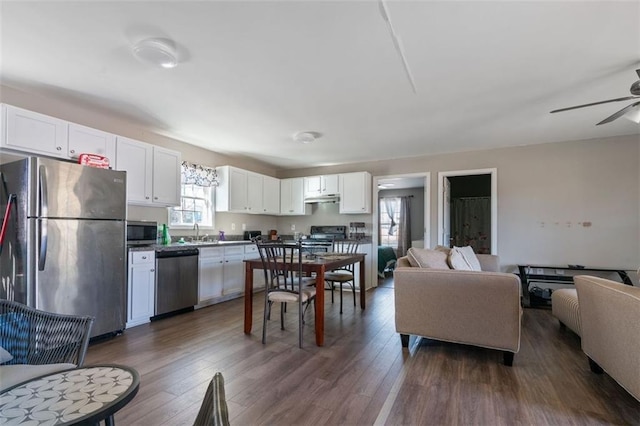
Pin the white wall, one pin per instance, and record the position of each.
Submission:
(547, 196)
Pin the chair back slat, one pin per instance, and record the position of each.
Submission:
(36, 337)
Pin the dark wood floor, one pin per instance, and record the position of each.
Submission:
(362, 375)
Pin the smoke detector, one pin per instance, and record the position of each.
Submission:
(306, 137)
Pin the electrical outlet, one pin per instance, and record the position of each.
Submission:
(244, 226)
(293, 226)
(233, 226)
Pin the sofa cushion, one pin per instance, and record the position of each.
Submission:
(11, 375)
(464, 259)
(4, 355)
(426, 258)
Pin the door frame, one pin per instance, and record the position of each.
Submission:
(494, 202)
(376, 205)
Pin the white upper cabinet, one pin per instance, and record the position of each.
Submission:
(153, 173)
(231, 193)
(292, 197)
(33, 132)
(315, 186)
(85, 140)
(254, 192)
(242, 191)
(355, 193)
(270, 195)
(166, 176)
(136, 158)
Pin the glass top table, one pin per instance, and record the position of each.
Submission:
(84, 395)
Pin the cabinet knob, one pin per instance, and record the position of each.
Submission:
(73, 151)
(144, 257)
(146, 198)
(152, 270)
(59, 148)
(155, 198)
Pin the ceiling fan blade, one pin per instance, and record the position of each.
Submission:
(618, 114)
(626, 98)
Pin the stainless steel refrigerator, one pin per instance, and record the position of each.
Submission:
(64, 244)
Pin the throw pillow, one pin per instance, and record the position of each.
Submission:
(443, 249)
(425, 258)
(5, 356)
(464, 259)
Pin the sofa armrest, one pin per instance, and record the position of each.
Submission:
(477, 308)
(489, 262)
(403, 262)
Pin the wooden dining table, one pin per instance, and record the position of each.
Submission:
(317, 264)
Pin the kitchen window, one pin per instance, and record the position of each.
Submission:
(196, 198)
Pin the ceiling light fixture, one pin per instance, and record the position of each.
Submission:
(157, 51)
(633, 115)
(306, 137)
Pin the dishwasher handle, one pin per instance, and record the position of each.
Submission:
(177, 253)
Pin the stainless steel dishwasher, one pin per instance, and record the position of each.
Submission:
(176, 280)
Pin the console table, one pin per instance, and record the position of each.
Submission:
(84, 395)
(527, 276)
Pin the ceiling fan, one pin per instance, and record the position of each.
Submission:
(635, 92)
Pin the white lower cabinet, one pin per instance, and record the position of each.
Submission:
(369, 274)
(221, 272)
(233, 271)
(210, 266)
(141, 287)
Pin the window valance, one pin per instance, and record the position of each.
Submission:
(199, 175)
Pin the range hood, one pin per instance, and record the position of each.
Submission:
(327, 198)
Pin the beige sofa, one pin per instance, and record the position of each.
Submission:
(610, 321)
(480, 308)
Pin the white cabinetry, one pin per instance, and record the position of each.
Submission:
(221, 272)
(251, 252)
(242, 191)
(355, 192)
(210, 275)
(141, 287)
(85, 140)
(153, 173)
(232, 274)
(166, 176)
(33, 132)
(315, 186)
(270, 195)
(292, 197)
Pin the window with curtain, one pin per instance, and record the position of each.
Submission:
(389, 220)
(196, 198)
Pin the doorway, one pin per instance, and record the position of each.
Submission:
(467, 209)
(414, 186)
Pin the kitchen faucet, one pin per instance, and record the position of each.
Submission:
(197, 229)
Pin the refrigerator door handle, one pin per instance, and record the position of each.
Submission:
(43, 193)
(42, 259)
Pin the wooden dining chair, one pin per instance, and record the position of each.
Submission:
(284, 282)
(343, 275)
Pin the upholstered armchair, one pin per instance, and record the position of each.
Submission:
(610, 322)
